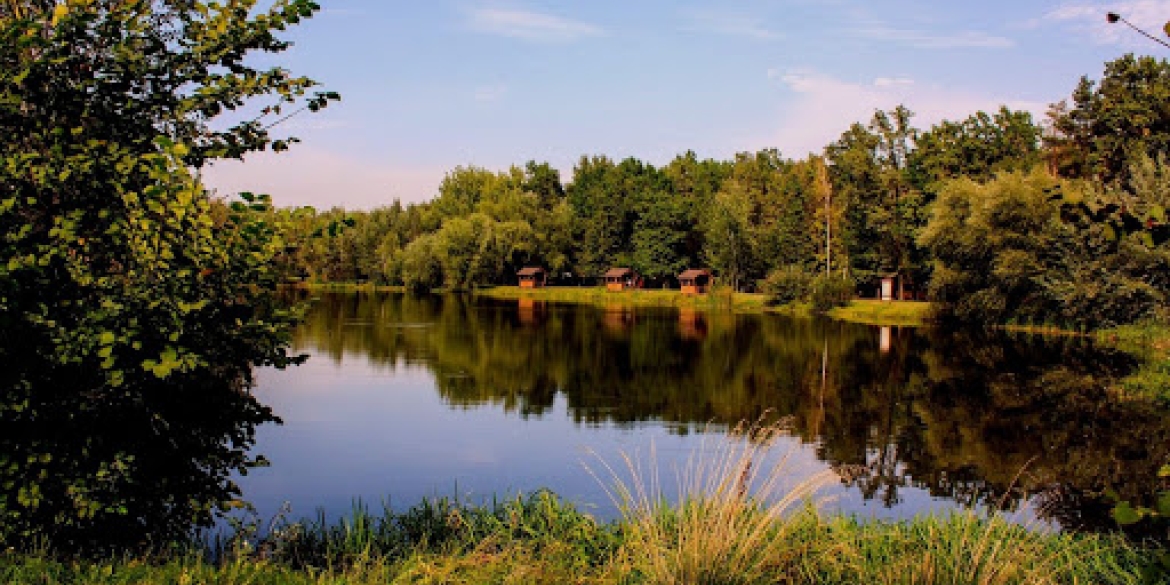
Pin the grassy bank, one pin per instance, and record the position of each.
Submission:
(874, 312)
(869, 312)
(1150, 343)
(540, 539)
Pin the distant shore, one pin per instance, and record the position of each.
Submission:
(862, 311)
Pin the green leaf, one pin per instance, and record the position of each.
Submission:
(1163, 506)
(1125, 514)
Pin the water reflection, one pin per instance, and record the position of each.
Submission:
(975, 419)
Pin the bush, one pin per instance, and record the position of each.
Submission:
(827, 292)
(787, 285)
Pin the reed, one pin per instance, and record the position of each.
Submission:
(968, 548)
(740, 507)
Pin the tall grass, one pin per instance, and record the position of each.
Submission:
(744, 514)
(735, 514)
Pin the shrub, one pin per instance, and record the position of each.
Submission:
(827, 292)
(787, 285)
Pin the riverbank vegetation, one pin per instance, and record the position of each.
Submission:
(541, 539)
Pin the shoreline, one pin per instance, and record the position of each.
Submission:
(539, 538)
(860, 311)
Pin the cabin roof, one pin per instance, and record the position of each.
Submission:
(694, 273)
(618, 272)
(530, 271)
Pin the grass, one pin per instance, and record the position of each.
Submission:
(1150, 343)
(875, 312)
(743, 516)
(734, 521)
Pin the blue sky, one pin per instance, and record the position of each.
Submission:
(431, 85)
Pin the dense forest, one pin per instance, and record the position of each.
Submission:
(998, 216)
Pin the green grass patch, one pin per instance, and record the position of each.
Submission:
(874, 312)
(1150, 343)
(719, 538)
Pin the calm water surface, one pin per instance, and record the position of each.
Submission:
(407, 397)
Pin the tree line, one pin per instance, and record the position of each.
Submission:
(977, 214)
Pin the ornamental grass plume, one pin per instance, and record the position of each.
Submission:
(738, 516)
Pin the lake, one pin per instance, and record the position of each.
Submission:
(406, 397)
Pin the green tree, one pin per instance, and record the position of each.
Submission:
(1110, 124)
(727, 228)
(976, 148)
(694, 183)
(1030, 248)
(126, 293)
(870, 172)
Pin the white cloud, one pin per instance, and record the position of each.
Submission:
(531, 26)
(723, 23)
(822, 107)
(307, 175)
(1089, 20)
(892, 81)
(490, 93)
(931, 40)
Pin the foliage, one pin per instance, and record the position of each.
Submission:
(787, 285)
(1112, 123)
(827, 292)
(540, 539)
(1026, 248)
(871, 173)
(977, 148)
(128, 298)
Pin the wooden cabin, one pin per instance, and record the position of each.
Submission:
(532, 277)
(619, 279)
(695, 282)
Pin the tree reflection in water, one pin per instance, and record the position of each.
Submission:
(978, 418)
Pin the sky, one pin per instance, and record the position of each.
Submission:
(428, 86)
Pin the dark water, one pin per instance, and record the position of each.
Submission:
(407, 397)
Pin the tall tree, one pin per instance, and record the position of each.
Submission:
(1111, 123)
(126, 293)
(977, 148)
(884, 210)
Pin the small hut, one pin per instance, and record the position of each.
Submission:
(888, 290)
(619, 279)
(695, 282)
(532, 277)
